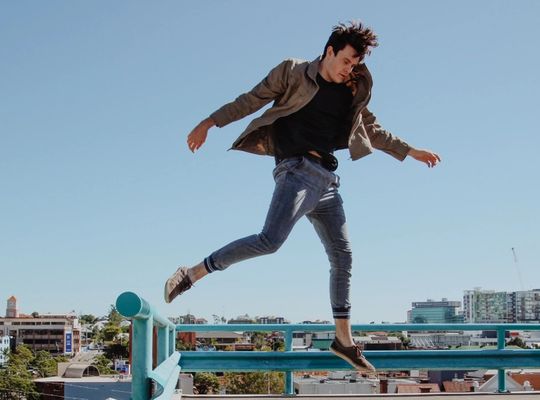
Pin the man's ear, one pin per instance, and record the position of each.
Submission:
(329, 51)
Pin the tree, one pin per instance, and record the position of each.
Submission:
(517, 341)
(114, 317)
(103, 364)
(254, 383)
(87, 319)
(117, 350)
(405, 341)
(183, 346)
(44, 364)
(206, 383)
(110, 331)
(16, 379)
(258, 339)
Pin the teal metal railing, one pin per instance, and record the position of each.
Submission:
(289, 361)
(155, 363)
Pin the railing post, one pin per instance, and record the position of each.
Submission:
(142, 359)
(289, 384)
(172, 340)
(132, 306)
(501, 332)
(163, 344)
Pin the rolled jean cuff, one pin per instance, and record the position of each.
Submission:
(209, 264)
(341, 312)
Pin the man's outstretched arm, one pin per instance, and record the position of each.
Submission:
(383, 140)
(271, 87)
(197, 136)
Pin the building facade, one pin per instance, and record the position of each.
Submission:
(485, 306)
(271, 320)
(57, 334)
(435, 312)
(525, 305)
(489, 306)
(188, 319)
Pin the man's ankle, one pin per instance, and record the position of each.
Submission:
(192, 275)
(345, 342)
(197, 273)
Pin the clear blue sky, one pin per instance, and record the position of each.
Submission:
(99, 193)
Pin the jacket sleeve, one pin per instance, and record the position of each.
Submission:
(382, 139)
(270, 88)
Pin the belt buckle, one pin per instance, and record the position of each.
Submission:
(329, 162)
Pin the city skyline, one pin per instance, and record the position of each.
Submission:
(100, 194)
(437, 311)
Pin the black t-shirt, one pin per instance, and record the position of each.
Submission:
(319, 125)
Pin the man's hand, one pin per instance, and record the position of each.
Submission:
(197, 136)
(428, 157)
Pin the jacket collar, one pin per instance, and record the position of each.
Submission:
(313, 68)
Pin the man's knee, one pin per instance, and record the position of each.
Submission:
(270, 245)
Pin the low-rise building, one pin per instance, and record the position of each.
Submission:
(236, 341)
(335, 383)
(242, 319)
(271, 320)
(188, 319)
(55, 333)
(441, 340)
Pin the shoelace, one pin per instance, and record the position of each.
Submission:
(358, 351)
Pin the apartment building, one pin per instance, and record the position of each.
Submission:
(489, 306)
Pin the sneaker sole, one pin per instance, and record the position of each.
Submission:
(166, 292)
(362, 369)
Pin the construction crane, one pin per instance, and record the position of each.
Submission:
(517, 268)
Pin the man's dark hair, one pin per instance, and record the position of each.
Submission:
(361, 38)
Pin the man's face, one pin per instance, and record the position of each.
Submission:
(339, 66)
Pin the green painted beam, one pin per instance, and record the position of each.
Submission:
(360, 328)
(198, 361)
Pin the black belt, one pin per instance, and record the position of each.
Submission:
(327, 160)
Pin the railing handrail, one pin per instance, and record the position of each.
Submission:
(133, 306)
(355, 327)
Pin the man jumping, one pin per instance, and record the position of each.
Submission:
(319, 107)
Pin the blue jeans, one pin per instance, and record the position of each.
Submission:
(303, 187)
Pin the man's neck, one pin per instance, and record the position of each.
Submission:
(324, 72)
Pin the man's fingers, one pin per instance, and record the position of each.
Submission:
(193, 144)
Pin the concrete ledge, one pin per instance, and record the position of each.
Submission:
(406, 396)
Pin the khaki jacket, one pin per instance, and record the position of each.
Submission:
(291, 85)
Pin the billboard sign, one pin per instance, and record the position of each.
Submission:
(69, 343)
